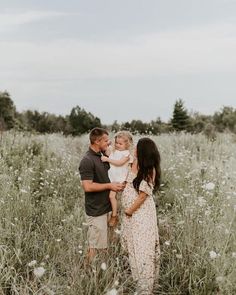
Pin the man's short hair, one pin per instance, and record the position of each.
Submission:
(96, 133)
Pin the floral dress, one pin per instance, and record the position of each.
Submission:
(140, 236)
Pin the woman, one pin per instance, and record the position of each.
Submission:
(140, 232)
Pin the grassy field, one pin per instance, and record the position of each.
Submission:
(43, 229)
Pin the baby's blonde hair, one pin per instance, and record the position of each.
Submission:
(127, 136)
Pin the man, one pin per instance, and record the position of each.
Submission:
(97, 186)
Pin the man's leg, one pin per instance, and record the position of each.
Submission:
(90, 255)
(97, 235)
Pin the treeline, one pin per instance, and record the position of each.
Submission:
(80, 121)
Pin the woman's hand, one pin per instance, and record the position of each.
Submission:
(128, 212)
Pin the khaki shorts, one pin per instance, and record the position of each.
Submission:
(97, 231)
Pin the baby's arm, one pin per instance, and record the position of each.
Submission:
(118, 163)
(108, 151)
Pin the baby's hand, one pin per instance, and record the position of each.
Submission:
(104, 159)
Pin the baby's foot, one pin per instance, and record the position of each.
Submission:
(113, 221)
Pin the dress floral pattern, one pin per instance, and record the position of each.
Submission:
(140, 236)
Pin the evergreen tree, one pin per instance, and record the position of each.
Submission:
(180, 120)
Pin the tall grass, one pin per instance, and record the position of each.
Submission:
(43, 229)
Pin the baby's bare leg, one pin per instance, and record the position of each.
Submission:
(113, 201)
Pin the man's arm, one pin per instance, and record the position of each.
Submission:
(90, 186)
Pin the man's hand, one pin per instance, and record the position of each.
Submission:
(117, 186)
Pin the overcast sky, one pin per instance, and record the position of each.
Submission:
(120, 60)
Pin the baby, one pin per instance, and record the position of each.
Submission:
(119, 158)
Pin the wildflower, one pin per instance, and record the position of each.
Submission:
(234, 254)
(116, 283)
(209, 186)
(167, 243)
(112, 292)
(213, 254)
(117, 231)
(227, 231)
(49, 291)
(103, 266)
(179, 256)
(32, 263)
(201, 201)
(117, 260)
(219, 279)
(58, 240)
(39, 271)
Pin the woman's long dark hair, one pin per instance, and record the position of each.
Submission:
(148, 163)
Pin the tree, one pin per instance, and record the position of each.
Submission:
(82, 122)
(115, 126)
(7, 111)
(180, 120)
(198, 122)
(226, 119)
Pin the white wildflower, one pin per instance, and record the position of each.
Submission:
(234, 254)
(213, 254)
(179, 256)
(201, 201)
(219, 279)
(103, 266)
(49, 291)
(117, 260)
(39, 271)
(117, 231)
(167, 243)
(209, 186)
(112, 292)
(58, 240)
(32, 263)
(227, 231)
